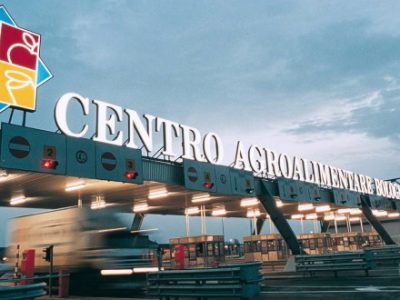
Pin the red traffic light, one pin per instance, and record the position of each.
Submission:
(208, 185)
(49, 164)
(131, 174)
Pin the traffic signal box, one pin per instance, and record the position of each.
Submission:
(32, 150)
(48, 253)
(36, 150)
(118, 163)
(346, 198)
(292, 190)
(242, 182)
(131, 169)
(49, 160)
(207, 177)
(199, 176)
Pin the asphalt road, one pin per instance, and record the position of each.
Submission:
(326, 295)
(329, 287)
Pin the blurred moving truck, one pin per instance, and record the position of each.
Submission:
(85, 241)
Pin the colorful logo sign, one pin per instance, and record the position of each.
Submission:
(21, 69)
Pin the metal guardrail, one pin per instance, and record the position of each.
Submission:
(335, 262)
(62, 286)
(242, 281)
(28, 291)
(273, 266)
(387, 254)
(35, 278)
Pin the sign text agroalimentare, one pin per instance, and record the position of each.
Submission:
(205, 148)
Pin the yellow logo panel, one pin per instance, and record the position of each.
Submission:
(18, 86)
(21, 69)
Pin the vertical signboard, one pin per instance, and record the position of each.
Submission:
(290, 190)
(34, 150)
(199, 176)
(242, 182)
(314, 193)
(118, 163)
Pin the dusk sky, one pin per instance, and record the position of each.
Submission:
(315, 79)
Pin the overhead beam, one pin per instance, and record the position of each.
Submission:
(374, 221)
(279, 220)
(137, 222)
(393, 179)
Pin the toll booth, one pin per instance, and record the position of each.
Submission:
(271, 247)
(370, 239)
(345, 241)
(314, 243)
(199, 251)
(349, 241)
(265, 247)
(233, 248)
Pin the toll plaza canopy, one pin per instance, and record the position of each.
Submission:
(43, 169)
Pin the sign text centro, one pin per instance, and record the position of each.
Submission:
(209, 148)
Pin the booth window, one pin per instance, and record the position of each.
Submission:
(192, 251)
(258, 246)
(186, 251)
(247, 247)
(219, 249)
(264, 247)
(210, 248)
(305, 244)
(312, 244)
(199, 250)
(271, 246)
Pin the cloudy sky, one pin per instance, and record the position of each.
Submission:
(316, 79)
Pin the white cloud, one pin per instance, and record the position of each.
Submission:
(340, 110)
(353, 151)
(345, 148)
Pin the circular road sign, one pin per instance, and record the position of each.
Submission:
(19, 147)
(81, 157)
(192, 174)
(108, 161)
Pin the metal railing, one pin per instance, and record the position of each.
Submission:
(32, 284)
(28, 291)
(390, 253)
(387, 259)
(335, 262)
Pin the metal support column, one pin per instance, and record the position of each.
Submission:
(279, 220)
(374, 221)
(137, 222)
(259, 226)
(324, 226)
